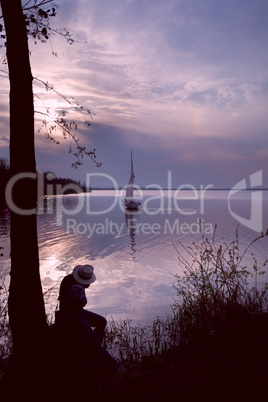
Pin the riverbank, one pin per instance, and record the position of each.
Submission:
(231, 366)
(228, 366)
(205, 373)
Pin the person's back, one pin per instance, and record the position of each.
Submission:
(71, 301)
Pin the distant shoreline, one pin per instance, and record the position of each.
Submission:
(182, 189)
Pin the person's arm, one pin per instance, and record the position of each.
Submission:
(77, 292)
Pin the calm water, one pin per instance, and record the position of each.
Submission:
(134, 255)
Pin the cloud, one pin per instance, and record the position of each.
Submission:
(182, 82)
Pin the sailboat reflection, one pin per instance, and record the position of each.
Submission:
(131, 225)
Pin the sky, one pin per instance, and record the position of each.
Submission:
(181, 83)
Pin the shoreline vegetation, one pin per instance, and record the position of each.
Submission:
(214, 346)
(51, 184)
(48, 184)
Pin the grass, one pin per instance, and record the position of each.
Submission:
(217, 288)
(214, 346)
(130, 343)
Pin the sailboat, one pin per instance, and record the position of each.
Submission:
(130, 202)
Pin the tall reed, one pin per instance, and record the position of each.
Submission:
(216, 291)
(216, 286)
(130, 343)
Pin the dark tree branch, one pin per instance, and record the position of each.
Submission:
(68, 126)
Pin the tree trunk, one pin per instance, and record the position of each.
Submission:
(26, 304)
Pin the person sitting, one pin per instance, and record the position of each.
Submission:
(83, 327)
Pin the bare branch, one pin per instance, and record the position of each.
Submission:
(36, 4)
(68, 126)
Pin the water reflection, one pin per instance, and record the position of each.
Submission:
(132, 251)
(130, 217)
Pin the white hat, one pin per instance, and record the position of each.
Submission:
(84, 274)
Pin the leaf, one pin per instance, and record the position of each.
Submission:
(44, 33)
(42, 13)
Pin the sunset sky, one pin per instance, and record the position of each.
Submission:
(183, 83)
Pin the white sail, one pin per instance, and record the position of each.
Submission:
(129, 191)
(130, 203)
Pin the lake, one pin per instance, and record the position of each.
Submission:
(134, 255)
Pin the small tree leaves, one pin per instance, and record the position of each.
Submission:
(67, 126)
(37, 14)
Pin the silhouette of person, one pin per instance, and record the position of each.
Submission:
(84, 328)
